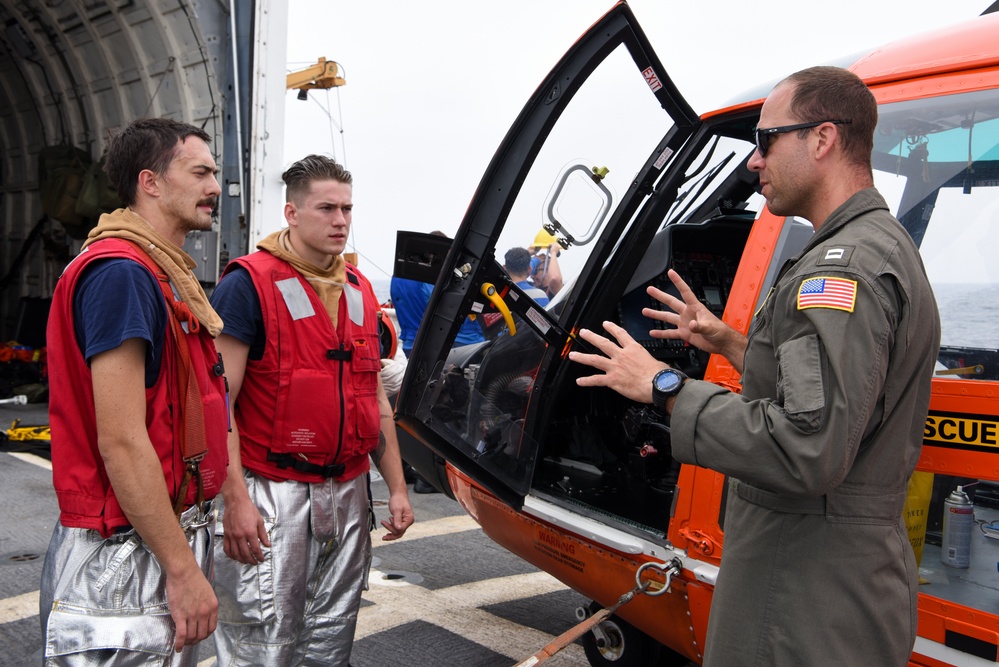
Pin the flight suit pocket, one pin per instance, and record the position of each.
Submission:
(77, 635)
(799, 385)
(108, 601)
(245, 592)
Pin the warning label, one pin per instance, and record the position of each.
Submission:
(558, 549)
(303, 437)
(963, 431)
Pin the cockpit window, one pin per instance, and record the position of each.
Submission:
(594, 153)
(936, 161)
(585, 167)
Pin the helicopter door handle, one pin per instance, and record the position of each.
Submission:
(490, 292)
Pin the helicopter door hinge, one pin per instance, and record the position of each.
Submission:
(699, 542)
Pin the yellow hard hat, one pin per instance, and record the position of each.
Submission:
(543, 239)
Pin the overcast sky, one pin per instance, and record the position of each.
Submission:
(433, 86)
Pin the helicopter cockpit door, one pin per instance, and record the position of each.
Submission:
(574, 167)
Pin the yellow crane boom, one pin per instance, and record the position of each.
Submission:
(324, 74)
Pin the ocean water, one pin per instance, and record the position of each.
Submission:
(969, 314)
(381, 287)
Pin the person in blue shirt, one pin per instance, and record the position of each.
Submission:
(545, 271)
(517, 263)
(410, 299)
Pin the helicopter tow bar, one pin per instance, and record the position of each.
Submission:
(671, 570)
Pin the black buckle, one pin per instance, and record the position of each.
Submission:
(284, 461)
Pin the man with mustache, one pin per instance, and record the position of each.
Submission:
(138, 416)
(308, 408)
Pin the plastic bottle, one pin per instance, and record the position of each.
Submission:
(958, 520)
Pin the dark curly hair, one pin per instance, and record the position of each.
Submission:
(517, 261)
(147, 143)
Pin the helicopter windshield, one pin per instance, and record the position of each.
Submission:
(936, 161)
(582, 176)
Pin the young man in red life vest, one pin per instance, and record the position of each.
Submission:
(308, 408)
(138, 417)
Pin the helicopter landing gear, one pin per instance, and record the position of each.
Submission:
(617, 643)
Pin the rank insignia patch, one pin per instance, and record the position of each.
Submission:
(836, 293)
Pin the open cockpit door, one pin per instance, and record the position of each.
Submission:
(570, 178)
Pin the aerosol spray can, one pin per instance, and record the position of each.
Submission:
(958, 520)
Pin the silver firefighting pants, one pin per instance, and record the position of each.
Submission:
(103, 601)
(299, 606)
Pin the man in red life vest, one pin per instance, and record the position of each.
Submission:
(303, 360)
(138, 417)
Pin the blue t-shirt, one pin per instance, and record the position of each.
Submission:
(470, 332)
(235, 300)
(115, 300)
(535, 293)
(410, 299)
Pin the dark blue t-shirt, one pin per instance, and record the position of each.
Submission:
(410, 299)
(115, 300)
(235, 300)
(470, 332)
(535, 293)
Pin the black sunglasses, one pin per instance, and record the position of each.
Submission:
(763, 135)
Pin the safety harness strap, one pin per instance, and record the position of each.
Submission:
(286, 460)
(191, 420)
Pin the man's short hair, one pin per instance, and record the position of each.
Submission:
(517, 261)
(299, 176)
(147, 143)
(834, 93)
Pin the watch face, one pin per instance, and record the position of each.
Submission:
(668, 381)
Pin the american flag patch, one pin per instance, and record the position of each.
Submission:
(837, 293)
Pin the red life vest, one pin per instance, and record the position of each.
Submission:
(86, 499)
(312, 397)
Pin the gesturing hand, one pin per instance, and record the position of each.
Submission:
(627, 367)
